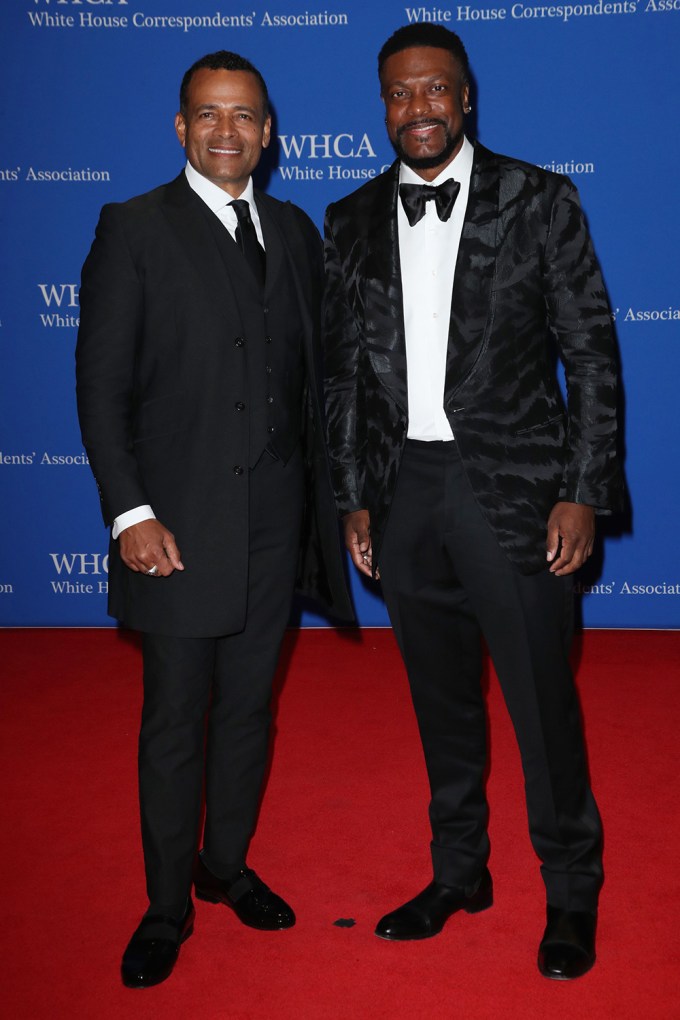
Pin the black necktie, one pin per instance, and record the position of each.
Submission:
(415, 196)
(246, 238)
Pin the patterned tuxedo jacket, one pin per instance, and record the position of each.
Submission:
(527, 288)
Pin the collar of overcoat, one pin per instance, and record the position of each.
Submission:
(215, 256)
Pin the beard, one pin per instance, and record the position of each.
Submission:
(427, 162)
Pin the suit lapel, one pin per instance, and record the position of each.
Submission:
(272, 241)
(383, 297)
(471, 304)
(211, 252)
(282, 235)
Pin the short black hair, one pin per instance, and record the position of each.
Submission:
(425, 33)
(222, 60)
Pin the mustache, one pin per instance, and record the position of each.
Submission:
(423, 122)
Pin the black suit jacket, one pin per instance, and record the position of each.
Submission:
(160, 368)
(526, 275)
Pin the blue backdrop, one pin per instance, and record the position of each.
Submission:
(89, 94)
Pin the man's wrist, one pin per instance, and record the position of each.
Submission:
(130, 517)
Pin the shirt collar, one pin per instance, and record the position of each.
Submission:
(215, 198)
(460, 168)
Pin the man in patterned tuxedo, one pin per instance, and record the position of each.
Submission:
(464, 483)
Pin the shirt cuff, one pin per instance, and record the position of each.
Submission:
(130, 517)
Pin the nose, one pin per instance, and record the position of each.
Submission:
(226, 127)
(419, 104)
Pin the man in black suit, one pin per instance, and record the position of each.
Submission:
(198, 401)
(463, 481)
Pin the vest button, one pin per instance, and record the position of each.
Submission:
(270, 429)
(239, 405)
(238, 470)
(268, 369)
(267, 339)
(270, 400)
(239, 341)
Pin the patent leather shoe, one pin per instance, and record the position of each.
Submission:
(567, 949)
(252, 901)
(426, 914)
(151, 954)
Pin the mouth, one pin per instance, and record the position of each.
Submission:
(420, 128)
(223, 151)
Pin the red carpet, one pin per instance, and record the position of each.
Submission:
(343, 834)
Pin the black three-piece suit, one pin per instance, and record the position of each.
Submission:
(198, 394)
(458, 529)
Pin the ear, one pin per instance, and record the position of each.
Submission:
(465, 97)
(181, 128)
(266, 131)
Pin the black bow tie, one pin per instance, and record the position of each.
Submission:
(415, 196)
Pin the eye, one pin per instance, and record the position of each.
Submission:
(439, 88)
(398, 94)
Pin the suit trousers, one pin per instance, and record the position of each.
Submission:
(447, 584)
(227, 678)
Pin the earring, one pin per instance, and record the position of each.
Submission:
(469, 110)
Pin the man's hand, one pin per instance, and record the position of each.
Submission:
(572, 524)
(357, 527)
(148, 544)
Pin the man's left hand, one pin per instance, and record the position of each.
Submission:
(572, 525)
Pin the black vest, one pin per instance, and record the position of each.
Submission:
(271, 341)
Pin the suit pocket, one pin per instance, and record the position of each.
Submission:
(160, 416)
(557, 419)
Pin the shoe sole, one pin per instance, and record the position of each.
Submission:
(565, 977)
(481, 900)
(210, 898)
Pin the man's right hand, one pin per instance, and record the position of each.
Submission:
(148, 544)
(357, 527)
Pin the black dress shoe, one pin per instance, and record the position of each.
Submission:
(427, 913)
(151, 955)
(251, 900)
(567, 949)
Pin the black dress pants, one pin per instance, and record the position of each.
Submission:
(229, 678)
(446, 584)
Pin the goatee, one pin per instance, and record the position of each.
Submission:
(428, 162)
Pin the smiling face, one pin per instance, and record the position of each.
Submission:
(425, 99)
(224, 127)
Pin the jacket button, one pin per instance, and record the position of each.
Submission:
(239, 341)
(238, 470)
(270, 400)
(268, 369)
(239, 405)
(267, 339)
(270, 429)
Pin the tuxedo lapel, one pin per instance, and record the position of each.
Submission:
(471, 303)
(383, 296)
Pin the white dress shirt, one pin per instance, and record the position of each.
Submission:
(219, 202)
(428, 253)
